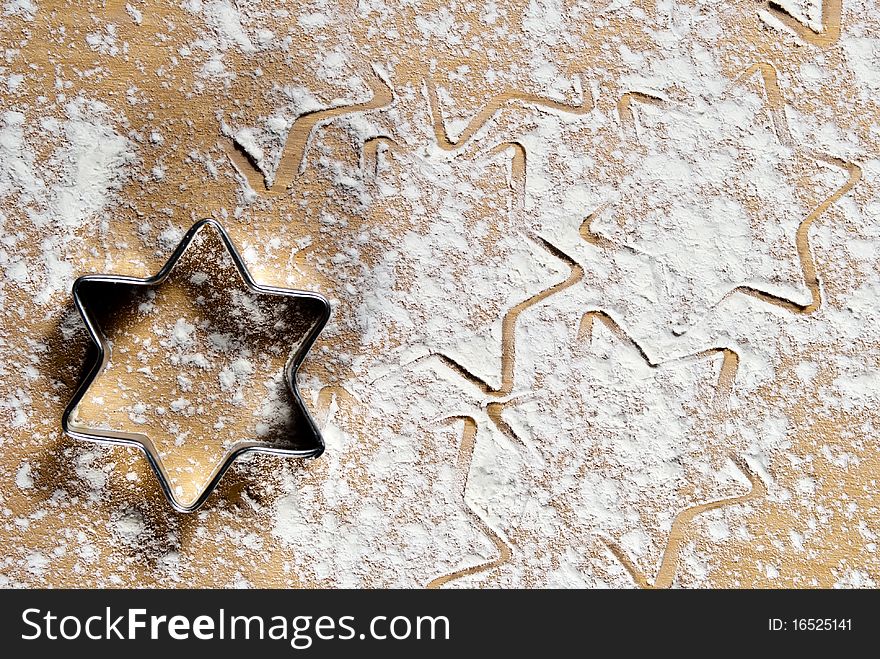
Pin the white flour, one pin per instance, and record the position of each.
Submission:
(639, 165)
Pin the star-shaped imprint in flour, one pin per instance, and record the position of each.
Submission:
(272, 159)
(446, 282)
(391, 484)
(618, 452)
(815, 21)
(196, 365)
(720, 200)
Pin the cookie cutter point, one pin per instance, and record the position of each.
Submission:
(72, 428)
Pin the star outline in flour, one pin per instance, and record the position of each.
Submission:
(682, 520)
(829, 23)
(141, 440)
(774, 104)
(292, 161)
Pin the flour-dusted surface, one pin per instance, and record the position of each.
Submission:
(604, 281)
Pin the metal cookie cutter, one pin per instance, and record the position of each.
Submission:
(307, 427)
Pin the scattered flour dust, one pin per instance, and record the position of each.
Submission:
(540, 359)
(71, 188)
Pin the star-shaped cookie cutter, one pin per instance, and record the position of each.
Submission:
(142, 441)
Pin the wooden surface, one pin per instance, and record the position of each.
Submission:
(149, 86)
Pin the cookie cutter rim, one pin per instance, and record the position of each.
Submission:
(143, 441)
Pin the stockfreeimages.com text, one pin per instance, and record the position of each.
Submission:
(300, 631)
